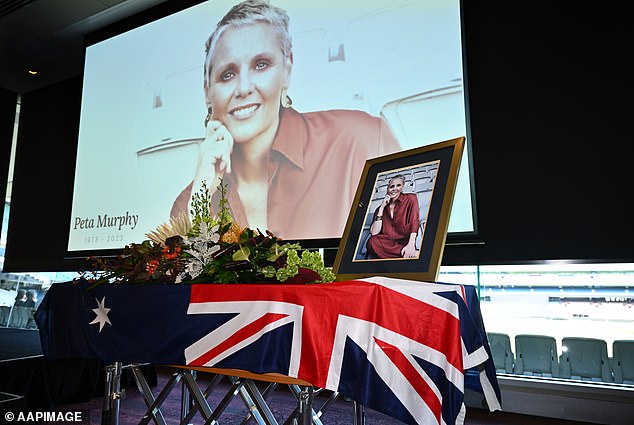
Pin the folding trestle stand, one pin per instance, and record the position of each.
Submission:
(194, 400)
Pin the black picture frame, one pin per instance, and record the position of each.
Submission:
(431, 173)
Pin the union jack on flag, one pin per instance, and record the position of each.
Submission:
(399, 347)
(400, 339)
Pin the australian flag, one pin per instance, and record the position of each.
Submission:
(399, 347)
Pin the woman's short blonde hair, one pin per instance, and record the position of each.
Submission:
(398, 176)
(246, 13)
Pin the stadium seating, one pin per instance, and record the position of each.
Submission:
(585, 358)
(623, 360)
(501, 350)
(536, 355)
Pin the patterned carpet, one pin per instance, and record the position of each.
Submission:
(281, 402)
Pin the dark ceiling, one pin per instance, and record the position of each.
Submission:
(47, 36)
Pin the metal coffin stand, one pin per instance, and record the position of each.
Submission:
(194, 400)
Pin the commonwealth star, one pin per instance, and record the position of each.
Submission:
(102, 314)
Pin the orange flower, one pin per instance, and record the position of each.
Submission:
(233, 234)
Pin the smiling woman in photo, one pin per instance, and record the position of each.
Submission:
(395, 223)
(292, 173)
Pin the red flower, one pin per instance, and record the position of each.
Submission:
(304, 276)
(171, 255)
(152, 266)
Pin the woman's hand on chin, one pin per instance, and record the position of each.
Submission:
(215, 156)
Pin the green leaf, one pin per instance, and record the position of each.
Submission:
(241, 254)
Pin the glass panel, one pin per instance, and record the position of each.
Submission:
(562, 320)
(461, 275)
(21, 294)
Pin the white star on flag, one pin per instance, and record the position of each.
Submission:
(102, 314)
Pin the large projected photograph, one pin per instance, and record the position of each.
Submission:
(283, 100)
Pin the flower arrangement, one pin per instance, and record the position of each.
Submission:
(209, 248)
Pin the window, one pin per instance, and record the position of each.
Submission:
(562, 320)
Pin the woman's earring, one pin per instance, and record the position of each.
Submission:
(208, 117)
(285, 100)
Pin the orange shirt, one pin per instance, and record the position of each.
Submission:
(316, 162)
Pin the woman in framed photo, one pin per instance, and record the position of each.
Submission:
(395, 224)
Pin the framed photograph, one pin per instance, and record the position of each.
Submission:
(398, 223)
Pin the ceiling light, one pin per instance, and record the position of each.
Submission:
(32, 72)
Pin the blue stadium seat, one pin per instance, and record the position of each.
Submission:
(623, 360)
(503, 357)
(536, 355)
(585, 358)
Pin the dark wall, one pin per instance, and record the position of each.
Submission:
(43, 178)
(7, 118)
(550, 102)
(549, 97)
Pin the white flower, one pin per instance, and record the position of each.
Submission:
(194, 269)
(201, 248)
(179, 225)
